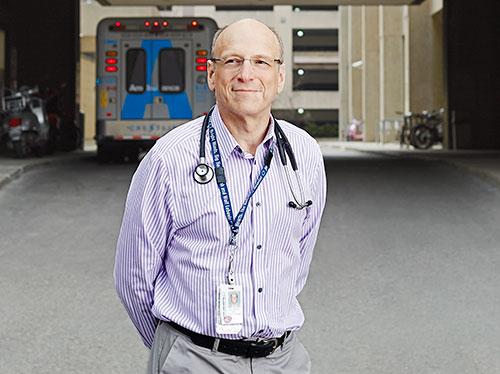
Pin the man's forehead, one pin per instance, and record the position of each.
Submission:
(250, 35)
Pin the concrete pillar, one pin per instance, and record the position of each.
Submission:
(281, 23)
(426, 64)
(406, 58)
(2, 59)
(344, 70)
(87, 84)
(355, 55)
(391, 62)
(370, 72)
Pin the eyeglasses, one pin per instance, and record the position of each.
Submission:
(234, 63)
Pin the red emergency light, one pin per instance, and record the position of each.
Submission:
(165, 23)
(111, 69)
(15, 122)
(201, 67)
(111, 61)
(201, 60)
(147, 23)
(156, 23)
(118, 24)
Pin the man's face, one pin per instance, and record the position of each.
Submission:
(247, 89)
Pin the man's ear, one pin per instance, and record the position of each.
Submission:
(281, 78)
(210, 75)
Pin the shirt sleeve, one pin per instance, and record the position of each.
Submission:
(312, 221)
(147, 222)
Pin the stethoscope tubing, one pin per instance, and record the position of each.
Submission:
(204, 173)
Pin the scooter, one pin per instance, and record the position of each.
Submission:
(422, 130)
(26, 123)
(429, 131)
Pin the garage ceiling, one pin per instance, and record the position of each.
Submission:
(257, 2)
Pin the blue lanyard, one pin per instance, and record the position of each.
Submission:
(234, 224)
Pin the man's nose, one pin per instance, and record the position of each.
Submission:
(246, 71)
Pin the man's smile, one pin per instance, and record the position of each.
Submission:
(246, 90)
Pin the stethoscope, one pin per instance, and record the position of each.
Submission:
(203, 173)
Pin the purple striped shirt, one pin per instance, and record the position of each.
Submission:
(172, 250)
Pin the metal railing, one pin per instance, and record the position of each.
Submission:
(389, 130)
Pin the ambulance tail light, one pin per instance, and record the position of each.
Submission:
(15, 122)
(195, 25)
(117, 26)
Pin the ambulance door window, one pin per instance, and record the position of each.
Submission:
(136, 71)
(172, 70)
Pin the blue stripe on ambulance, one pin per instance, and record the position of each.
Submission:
(134, 106)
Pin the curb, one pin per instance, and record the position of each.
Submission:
(19, 170)
(368, 151)
(486, 176)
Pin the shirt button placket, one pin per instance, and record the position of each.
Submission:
(260, 263)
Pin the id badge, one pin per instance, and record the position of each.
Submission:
(229, 309)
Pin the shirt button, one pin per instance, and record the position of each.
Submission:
(257, 203)
(259, 247)
(260, 289)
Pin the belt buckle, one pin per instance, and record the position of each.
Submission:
(260, 348)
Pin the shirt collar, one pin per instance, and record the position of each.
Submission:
(227, 143)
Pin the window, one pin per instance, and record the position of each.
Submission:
(299, 8)
(240, 8)
(315, 39)
(315, 77)
(136, 70)
(172, 74)
(317, 122)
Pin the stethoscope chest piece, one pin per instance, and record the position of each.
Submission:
(203, 173)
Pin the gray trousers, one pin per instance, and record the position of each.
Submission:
(174, 353)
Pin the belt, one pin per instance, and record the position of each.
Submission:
(246, 348)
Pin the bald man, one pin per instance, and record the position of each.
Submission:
(209, 268)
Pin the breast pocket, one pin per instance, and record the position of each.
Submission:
(199, 208)
(284, 221)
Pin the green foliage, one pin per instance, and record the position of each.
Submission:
(323, 130)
